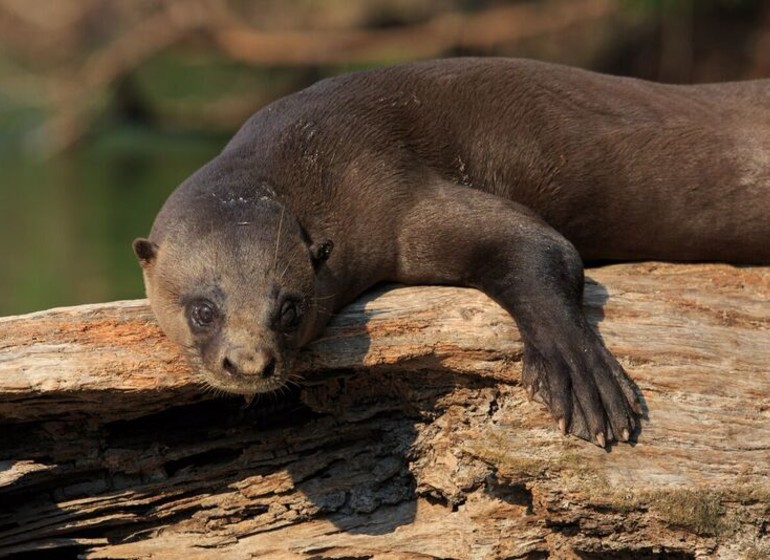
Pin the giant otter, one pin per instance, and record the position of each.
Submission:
(498, 174)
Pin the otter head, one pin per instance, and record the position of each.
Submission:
(234, 280)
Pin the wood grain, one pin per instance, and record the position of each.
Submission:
(410, 437)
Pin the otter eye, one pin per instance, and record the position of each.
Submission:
(202, 314)
(290, 315)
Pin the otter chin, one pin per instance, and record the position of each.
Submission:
(235, 283)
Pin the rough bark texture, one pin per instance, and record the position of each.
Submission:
(410, 437)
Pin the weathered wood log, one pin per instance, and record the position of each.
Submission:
(409, 438)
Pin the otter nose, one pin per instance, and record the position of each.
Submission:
(247, 363)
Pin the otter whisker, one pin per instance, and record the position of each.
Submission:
(324, 310)
(282, 276)
(284, 390)
(208, 389)
(278, 237)
(295, 380)
(321, 298)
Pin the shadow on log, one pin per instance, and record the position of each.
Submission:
(408, 438)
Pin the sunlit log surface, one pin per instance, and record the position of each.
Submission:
(409, 439)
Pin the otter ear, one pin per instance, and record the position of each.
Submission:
(321, 252)
(145, 250)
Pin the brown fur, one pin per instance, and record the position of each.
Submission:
(492, 173)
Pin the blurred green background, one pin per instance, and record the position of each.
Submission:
(106, 105)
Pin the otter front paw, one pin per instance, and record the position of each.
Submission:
(584, 387)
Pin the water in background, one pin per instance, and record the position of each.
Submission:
(66, 225)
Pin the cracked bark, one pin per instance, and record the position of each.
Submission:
(410, 437)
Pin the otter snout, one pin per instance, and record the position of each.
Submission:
(251, 363)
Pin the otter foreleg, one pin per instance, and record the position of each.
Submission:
(456, 235)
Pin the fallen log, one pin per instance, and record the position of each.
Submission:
(408, 436)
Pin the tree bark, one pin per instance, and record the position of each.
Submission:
(408, 438)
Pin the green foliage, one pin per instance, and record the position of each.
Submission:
(67, 224)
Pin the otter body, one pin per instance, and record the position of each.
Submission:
(498, 174)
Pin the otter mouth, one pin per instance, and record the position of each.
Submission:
(227, 378)
(240, 385)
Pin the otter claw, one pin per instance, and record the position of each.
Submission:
(601, 441)
(563, 426)
(625, 435)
